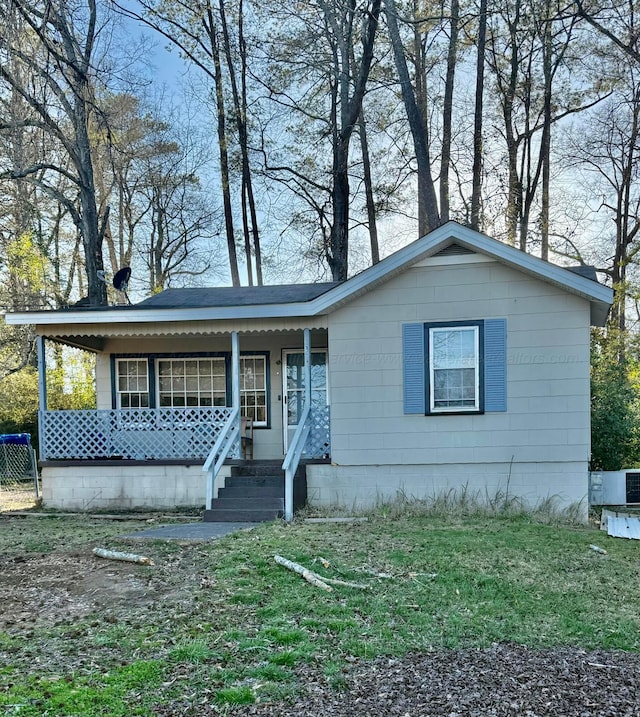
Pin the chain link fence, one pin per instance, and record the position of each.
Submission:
(19, 488)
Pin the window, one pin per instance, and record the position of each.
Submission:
(132, 383)
(253, 388)
(192, 382)
(455, 367)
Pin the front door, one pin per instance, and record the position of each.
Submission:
(293, 387)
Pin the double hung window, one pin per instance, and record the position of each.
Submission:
(253, 388)
(132, 383)
(455, 367)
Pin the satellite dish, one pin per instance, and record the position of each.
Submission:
(121, 280)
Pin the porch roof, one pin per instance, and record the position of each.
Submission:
(303, 301)
(92, 337)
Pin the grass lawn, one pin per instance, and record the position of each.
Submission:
(222, 623)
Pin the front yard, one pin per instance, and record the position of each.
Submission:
(220, 628)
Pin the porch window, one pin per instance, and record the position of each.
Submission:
(192, 382)
(132, 389)
(253, 388)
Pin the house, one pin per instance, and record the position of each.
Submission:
(456, 362)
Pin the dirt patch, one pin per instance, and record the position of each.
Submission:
(502, 681)
(54, 588)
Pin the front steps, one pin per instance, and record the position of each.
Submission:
(254, 493)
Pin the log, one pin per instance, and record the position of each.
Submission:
(126, 557)
(308, 575)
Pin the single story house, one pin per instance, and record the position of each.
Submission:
(457, 362)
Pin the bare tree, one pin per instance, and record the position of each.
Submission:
(57, 83)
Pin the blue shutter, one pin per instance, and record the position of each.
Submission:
(495, 365)
(413, 368)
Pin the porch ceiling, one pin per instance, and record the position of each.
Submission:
(92, 335)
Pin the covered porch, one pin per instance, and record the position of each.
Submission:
(171, 403)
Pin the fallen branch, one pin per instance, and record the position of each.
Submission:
(126, 557)
(308, 575)
(336, 581)
(598, 549)
(368, 571)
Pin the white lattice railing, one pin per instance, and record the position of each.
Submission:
(136, 433)
(228, 444)
(311, 440)
(318, 444)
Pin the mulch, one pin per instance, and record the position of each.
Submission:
(501, 681)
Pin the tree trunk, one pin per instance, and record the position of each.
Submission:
(368, 189)
(476, 191)
(447, 111)
(427, 193)
(350, 108)
(250, 219)
(545, 142)
(224, 157)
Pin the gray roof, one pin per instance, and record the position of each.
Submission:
(235, 296)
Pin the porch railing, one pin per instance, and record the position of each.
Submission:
(312, 439)
(134, 434)
(227, 444)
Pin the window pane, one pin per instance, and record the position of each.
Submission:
(191, 384)
(454, 366)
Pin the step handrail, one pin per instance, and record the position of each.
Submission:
(221, 448)
(292, 459)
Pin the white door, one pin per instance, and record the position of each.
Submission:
(293, 387)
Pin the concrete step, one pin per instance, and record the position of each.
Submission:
(252, 491)
(257, 468)
(223, 515)
(268, 503)
(264, 481)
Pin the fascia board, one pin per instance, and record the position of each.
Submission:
(433, 241)
(533, 265)
(145, 316)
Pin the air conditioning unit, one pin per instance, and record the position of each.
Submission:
(614, 487)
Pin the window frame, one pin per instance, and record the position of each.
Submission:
(152, 360)
(266, 389)
(478, 407)
(117, 393)
(173, 392)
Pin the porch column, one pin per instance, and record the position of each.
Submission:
(307, 367)
(291, 469)
(42, 392)
(235, 378)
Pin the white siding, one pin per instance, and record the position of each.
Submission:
(547, 418)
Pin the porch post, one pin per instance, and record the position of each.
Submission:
(307, 367)
(42, 392)
(235, 376)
